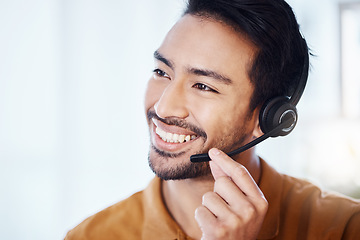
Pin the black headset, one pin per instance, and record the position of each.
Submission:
(278, 116)
(279, 109)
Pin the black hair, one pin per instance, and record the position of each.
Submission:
(272, 26)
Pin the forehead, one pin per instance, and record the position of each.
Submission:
(206, 43)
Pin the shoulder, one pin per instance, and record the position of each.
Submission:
(111, 222)
(298, 208)
(300, 190)
(319, 212)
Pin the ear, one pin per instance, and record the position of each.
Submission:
(257, 132)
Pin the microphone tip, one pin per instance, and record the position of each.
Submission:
(199, 158)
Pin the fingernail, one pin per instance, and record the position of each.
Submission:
(215, 151)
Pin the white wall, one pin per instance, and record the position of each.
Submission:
(73, 137)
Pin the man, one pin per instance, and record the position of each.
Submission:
(213, 73)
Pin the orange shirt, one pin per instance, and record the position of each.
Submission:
(297, 210)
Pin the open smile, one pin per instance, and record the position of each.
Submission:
(171, 138)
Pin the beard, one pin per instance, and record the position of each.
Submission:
(177, 166)
(159, 164)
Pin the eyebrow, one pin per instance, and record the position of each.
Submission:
(195, 71)
(211, 74)
(161, 58)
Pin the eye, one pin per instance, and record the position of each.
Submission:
(204, 87)
(161, 73)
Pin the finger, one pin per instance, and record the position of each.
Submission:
(224, 165)
(236, 201)
(215, 228)
(229, 191)
(205, 218)
(225, 187)
(216, 170)
(215, 204)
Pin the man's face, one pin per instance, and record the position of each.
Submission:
(198, 96)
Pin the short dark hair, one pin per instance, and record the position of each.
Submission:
(272, 26)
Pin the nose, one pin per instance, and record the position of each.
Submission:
(172, 102)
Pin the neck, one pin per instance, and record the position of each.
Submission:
(182, 197)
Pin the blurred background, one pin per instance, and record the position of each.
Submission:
(73, 135)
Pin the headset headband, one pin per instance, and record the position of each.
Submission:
(295, 98)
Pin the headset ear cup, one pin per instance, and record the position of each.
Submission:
(274, 112)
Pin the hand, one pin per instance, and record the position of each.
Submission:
(236, 208)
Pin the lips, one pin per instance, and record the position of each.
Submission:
(172, 134)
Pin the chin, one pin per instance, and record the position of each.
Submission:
(176, 166)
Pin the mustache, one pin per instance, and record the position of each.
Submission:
(177, 122)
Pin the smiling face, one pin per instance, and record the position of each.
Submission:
(198, 96)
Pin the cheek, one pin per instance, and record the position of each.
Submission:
(223, 119)
(212, 117)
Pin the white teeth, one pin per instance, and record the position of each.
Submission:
(181, 138)
(173, 138)
(169, 136)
